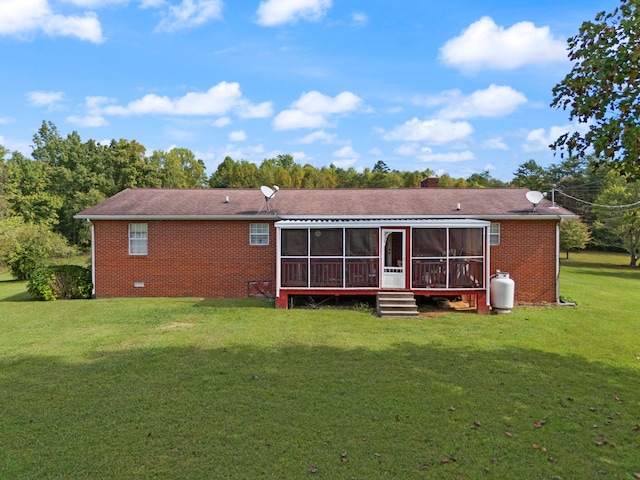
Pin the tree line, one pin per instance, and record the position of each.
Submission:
(39, 195)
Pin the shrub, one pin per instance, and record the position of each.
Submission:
(25, 247)
(61, 282)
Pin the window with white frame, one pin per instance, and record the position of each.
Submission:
(494, 234)
(259, 234)
(138, 239)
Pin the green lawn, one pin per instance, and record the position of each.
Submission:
(192, 388)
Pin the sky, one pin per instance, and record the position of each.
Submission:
(459, 87)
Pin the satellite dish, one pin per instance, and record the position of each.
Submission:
(268, 193)
(535, 198)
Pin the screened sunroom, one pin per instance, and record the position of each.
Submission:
(418, 255)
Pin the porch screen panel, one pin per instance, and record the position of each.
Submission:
(449, 258)
(429, 242)
(294, 243)
(362, 252)
(326, 242)
(362, 242)
(465, 242)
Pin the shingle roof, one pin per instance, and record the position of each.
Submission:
(325, 203)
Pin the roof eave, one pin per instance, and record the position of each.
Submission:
(177, 217)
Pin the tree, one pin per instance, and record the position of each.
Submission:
(530, 175)
(602, 91)
(4, 175)
(25, 246)
(574, 235)
(27, 190)
(484, 180)
(380, 167)
(617, 211)
(179, 168)
(130, 168)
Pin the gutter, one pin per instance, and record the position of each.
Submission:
(177, 217)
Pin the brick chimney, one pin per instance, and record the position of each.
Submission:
(430, 182)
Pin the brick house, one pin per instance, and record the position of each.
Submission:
(232, 242)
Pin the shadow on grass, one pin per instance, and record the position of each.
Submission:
(235, 303)
(19, 297)
(244, 412)
(606, 270)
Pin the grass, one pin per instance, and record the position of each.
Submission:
(193, 388)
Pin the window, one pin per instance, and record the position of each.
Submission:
(259, 234)
(494, 234)
(137, 239)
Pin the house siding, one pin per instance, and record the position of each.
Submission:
(213, 259)
(186, 258)
(527, 252)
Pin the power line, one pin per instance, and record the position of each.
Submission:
(620, 207)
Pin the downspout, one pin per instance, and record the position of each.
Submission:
(278, 262)
(558, 261)
(93, 260)
(487, 268)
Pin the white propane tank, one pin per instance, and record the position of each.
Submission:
(501, 292)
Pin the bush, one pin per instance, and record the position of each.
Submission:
(25, 247)
(62, 282)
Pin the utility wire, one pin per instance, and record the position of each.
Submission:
(630, 205)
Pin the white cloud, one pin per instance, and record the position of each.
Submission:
(51, 100)
(409, 150)
(220, 99)
(262, 110)
(485, 45)
(540, 139)
(301, 156)
(221, 122)
(278, 12)
(237, 136)
(316, 102)
(318, 136)
(435, 131)
(346, 163)
(88, 121)
(450, 157)
(190, 14)
(495, 144)
(495, 101)
(96, 3)
(346, 152)
(312, 108)
(359, 19)
(24, 17)
(293, 119)
(253, 154)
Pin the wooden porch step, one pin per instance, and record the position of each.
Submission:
(396, 304)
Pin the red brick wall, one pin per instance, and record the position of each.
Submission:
(193, 258)
(202, 258)
(527, 252)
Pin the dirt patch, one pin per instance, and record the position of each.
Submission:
(172, 325)
(437, 308)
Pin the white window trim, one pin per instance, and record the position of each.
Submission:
(138, 241)
(258, 233)
(494, 234)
